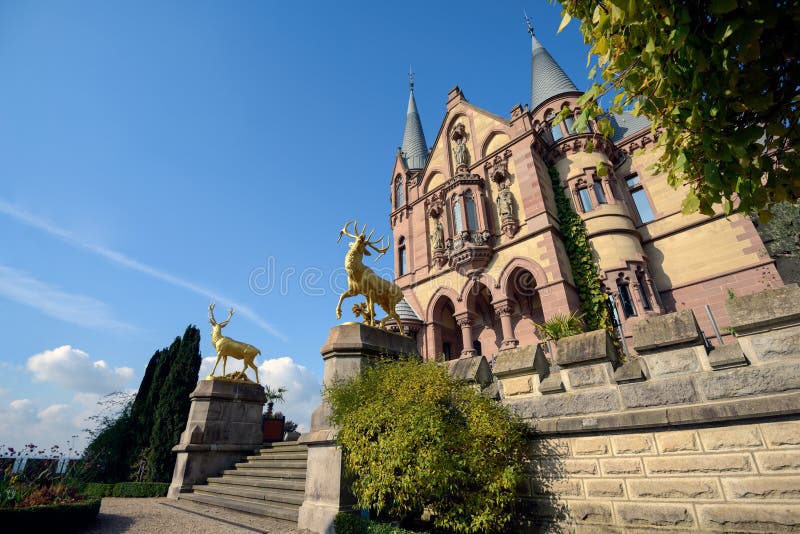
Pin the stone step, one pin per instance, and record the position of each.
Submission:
(274, 455)
(269, 463)
(252, 506)
(261, 482)
(280, 496)
(267, 472)
(285, 448)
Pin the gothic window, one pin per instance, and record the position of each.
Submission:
(640, 278)
(472, 212)
(569, 122)
(625, 300)
(555, 129)
(599, 193)
(586, 199)
(401, 256)
(399, 193)
(458, 222)
(640, 200)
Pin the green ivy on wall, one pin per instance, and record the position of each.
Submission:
(584, 268)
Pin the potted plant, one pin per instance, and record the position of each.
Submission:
(272, 423)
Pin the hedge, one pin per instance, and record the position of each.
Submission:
(352, 524)
(127, 489)
(49, 517)
(98, 490)
(140, 489)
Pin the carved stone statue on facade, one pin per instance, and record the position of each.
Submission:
(505, 202)
(460, 152)
(437, 236)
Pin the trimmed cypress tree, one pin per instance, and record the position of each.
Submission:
(172, 409)
(151, 425)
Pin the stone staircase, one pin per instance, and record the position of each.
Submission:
(271, 484)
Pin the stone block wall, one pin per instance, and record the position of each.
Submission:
(720, 478)
(679, 439)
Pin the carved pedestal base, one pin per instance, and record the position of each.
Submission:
(224, 426)
(439, 257)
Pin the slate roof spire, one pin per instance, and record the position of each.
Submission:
(414, 148)
(548, 79)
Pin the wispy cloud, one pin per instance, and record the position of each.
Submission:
(121, 259)
(70, 307)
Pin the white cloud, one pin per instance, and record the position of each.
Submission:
(70, 307)
(113, 256)
(302, 388)
(73, 369)
(22, 421)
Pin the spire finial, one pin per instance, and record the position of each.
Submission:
(410, 78)
(528, 22)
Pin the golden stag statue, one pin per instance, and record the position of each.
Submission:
(361, 280)
(230, 347)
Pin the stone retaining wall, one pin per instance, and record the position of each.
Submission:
(678, 438)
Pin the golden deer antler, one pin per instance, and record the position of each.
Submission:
(381, 250)
(344, 231)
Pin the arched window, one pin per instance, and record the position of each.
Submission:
(399, 193)
(472, 212)
(402, 259)
(458, 222)
(555, 129)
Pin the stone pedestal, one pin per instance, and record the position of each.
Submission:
(348, 349)
(224, 426)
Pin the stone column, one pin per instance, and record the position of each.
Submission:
(348, 349)
(465, 323)
(504, 309)
(224, 426)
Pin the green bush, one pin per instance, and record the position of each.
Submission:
(352, 524)
(414, 439)
(140, 489)
(98, 490)
(50, 518)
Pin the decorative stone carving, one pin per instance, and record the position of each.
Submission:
(506, 210)
(460, 151)
(437, 236)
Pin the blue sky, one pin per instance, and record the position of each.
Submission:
(157, 155)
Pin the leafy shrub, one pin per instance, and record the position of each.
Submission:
(98, 490)
(414, 439)
(559, 326)
(140, 489)
(352, 524)
(51, 518)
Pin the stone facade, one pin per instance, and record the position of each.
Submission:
(479, 254)
(675, 442)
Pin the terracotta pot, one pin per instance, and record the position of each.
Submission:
(272, 429)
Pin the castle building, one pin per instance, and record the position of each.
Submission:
(478, 250)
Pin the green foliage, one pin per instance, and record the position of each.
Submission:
(581, 259)
(415, 439)
(352, 524)
(172, 410)
(560, 325)
(63, 517)
(718, 79)
(140, 489)
(150, 426)
(781, 236)
(98, 490)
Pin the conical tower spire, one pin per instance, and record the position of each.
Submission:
(415, 150)
(548, 79)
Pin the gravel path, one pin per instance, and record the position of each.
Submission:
(140, 516)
